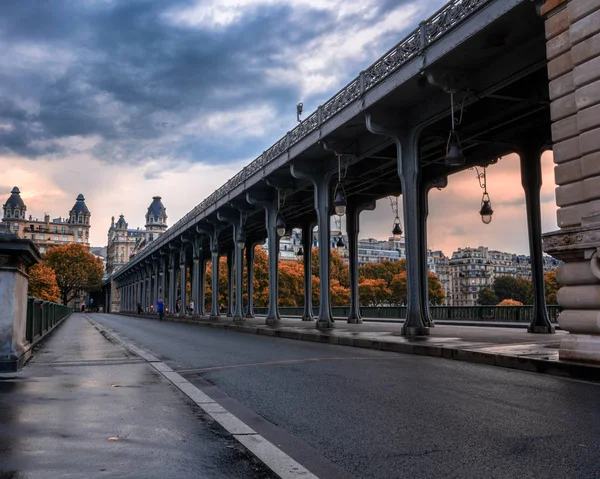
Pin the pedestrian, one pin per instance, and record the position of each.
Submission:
(139, 308)
(178, 306)
(192, 306)
(160, 307)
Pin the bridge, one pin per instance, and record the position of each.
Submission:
(478, 80)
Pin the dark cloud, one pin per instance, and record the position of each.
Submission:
(122, 73)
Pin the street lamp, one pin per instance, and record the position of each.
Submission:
(339, 195)
(299, 253)
(280, 225)
(397, 228)
(340, 244)
(454, 154)
(241, 239)
(486, 210)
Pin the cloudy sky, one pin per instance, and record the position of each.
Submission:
(124, 100)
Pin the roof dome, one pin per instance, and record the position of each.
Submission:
(80, 206)
(156, 208)
(15, 200)
(121, 224)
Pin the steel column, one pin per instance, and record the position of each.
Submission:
(531, 179)
(250, 245)
(320, 178)
(353, 228)
(307, 244)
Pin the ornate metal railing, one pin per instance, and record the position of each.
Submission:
(428, 32)
(42, 317)
(513, 314)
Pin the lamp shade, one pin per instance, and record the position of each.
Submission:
(486, 211)
(454, 154)
(339, 202)
(280, 225)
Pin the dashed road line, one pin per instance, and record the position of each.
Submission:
(273, 457)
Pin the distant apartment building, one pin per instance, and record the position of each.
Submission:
(441, 268)
(473, 269)
(47, 232)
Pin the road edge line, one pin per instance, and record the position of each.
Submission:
(270, 455)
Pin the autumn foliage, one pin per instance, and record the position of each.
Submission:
(42, 283)
(76, 270)
(379, 283)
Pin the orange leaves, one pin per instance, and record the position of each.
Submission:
(42, 283)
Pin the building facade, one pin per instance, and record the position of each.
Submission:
(47, 232)
(124, 243)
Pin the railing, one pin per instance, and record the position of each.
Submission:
(428, 32)
(42, 317)
(516, 314)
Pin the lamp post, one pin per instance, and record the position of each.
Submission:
(486, 210)
(454, 154)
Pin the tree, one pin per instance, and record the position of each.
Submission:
(436, 292)
(42, 283)
(552, 287)
(487, 297)
(373, 292)
(76, 270)
(291, 283)
(510, 302)
(519, 289)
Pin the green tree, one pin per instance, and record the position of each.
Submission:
(76, 270)
(519, 289)
(487, 297)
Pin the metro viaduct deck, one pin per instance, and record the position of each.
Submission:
(389, 127)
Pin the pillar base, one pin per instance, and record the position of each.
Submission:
(239, 319)
(214, 318)
(354, 320)
(581, 348)
(272, 321)
(325, 324)
(415, 331)
(249, 315)
(308, 318)
(541, 329)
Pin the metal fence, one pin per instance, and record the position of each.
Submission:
(42, 316)
(518, 314)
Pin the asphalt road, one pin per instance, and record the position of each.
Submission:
(344, 411)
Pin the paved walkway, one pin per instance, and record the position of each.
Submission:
(500, 346)
(87, 407)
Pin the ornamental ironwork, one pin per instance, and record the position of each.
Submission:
(429, 31)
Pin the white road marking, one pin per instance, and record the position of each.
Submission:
(273, 457)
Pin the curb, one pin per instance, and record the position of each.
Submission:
(588, 372)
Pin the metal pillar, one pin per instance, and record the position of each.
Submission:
(230, 283)
(320, 178)
(307, 242)
(409, 171)
(352, 228)
(172, 286)
(156, 281)
(195, 282)
(163, 279)
(183, 281)
(202, 288)
(269, 203)
(250, 245)
(531, 179)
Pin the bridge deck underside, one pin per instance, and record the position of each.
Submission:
(501, 98)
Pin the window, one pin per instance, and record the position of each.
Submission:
(79, 240)
(63, 230)
(42, 250)
(16, 213)
(64, 238)
(55, 229)
(80, 219)
(56, 238)
(32, 236)
(16, 226)
(42, 237)
(80, 231)
(8, 213)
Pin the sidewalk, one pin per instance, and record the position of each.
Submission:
(87, 407)
(498, 346)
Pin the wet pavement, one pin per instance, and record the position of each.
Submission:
(86, 407)
(354, 412)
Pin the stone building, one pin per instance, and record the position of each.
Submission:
(440, 265)
(124, 243)
(47, 232)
